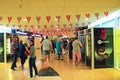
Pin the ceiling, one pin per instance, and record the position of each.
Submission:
(53, 8)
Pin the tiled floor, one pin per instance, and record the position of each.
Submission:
(64, 67)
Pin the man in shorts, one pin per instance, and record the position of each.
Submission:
(47, 46)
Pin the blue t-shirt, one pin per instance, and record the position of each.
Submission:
(58, 46)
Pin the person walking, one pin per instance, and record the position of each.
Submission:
(21, 53)
(47, 46)
(59, 47)
(70, 47)
(76, 51)
(14, 50)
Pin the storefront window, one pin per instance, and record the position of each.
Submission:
(119, 21)
(110, 23)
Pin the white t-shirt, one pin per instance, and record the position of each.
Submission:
(46, 44)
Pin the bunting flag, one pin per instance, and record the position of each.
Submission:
(19, 19)
(38, 19)
(7, 25)
(48, 18)
(97, 15)
(87, 16)
(106, 13)
(58, 18)
(45, 26)
(89, 23)
(32, 27)
(25, 27)
(70, 25)
(51, 26)
(58, 26)
(83, 24)
(76, 24)
(9, 19)
(38, 26)
(1, 18)
(20, 26)
(13, 25)
(28, 19)
(78, 17)
(68, 17)
(64, 25)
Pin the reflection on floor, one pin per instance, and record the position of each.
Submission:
(64, 68)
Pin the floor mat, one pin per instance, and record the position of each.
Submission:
(49, 71)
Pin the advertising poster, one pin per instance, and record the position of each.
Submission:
(1, 47)
(103, 45)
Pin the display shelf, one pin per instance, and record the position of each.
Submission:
(8, 46)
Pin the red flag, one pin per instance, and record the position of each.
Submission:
(76, 24)
(64, 25)
(19, 18)
(48, 18)
(58, 26)
(78, 17)
(87, 16)
(28, 19)
(83, 24)
(106, 13)
(45, 26)
(9, 19)
(13, 25)
(32, 27)
(38, 26)
(1, 18)
(7, 25)
(89, 23)
(25, 27)
(68, 17)
(19, 26)
(97, 15)
(58, 18)
(70, 25)
(38, 19)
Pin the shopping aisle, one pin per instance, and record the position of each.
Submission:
(63, 67)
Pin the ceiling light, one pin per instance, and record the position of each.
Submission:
(25, 20)
(56, 19)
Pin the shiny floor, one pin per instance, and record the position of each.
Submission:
(65, 68)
